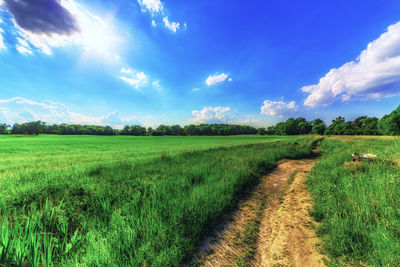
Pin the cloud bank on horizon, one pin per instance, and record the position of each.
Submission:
(210, 115)
(21, 110)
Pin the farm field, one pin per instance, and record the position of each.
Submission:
(124, 200)
(58, 151)
(358, 203)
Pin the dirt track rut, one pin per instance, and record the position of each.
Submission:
(280, 211)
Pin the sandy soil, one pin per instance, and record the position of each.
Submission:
(286, 236)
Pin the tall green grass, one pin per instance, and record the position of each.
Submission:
(138, 213)
(358, 204)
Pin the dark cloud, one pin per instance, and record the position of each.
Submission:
(42, 16)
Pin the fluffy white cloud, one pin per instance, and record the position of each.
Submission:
(136, 79)
(77, 26)
(154, 6)
(210, 115)
(374, 74)
(215, 79)
(20, 110)
(278, 108)
(153, 23)
(172, 26)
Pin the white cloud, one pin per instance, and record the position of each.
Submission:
(210, 115)
(23, 50)
(230, 79)
(196, 89)
(374, 74)
(20, 110)
(23, 47)
(215, 79)
(278, 108)
(154, 6)
(249, 122)
(126, 70)
(136, 79)
(172, 26)
(139, 79)
(156, 84)
(2, 45)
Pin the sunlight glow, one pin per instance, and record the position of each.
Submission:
(96, 35)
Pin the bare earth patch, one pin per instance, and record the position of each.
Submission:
(272, 226)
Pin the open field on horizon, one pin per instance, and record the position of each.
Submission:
(58, 151)
(124, 200)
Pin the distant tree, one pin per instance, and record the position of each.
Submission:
(176, 130)
(108, 131)
(279, 129)
(318, 127)
(190, 129)
(261, 131)
(336, 127)
(390, 124)
(4, 128)
(366, 126)
(291, 127)
(303, 126)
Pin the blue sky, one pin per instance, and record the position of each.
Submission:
(154, 62)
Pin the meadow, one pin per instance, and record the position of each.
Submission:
(358, 203)
(123, 200)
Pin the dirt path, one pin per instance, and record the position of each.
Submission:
(272, 226)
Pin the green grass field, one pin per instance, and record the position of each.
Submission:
(358, 204)
(139, 201)
(59, 151)
(117, 201)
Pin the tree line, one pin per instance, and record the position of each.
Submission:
(364, 125)
(39, 127)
